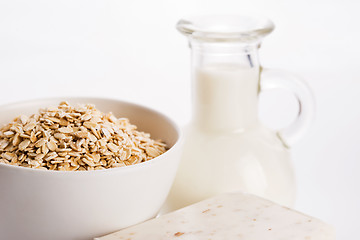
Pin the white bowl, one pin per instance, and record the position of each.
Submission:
(56, 205)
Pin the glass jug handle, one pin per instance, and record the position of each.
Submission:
(279, 79)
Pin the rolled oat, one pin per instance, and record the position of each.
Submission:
(67, 138)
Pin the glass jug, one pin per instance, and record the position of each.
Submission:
(226, 147)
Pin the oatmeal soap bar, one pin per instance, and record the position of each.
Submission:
(229, 216)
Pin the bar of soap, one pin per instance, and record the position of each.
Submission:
(229, 216)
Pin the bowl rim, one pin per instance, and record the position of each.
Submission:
(149, 163)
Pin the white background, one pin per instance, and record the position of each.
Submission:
(130, 50)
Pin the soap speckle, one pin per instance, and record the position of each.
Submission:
(205, 211)
(178, 234)
(254, 219)
(219, 206)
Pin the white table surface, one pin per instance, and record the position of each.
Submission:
(130, 50)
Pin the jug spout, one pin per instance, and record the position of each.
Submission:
(226, 28)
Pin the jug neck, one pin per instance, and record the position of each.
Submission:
(225, 69)
(225, 85)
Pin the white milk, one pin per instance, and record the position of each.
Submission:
(226, 149)
(225, 97)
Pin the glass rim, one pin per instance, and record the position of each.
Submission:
(225, 28)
